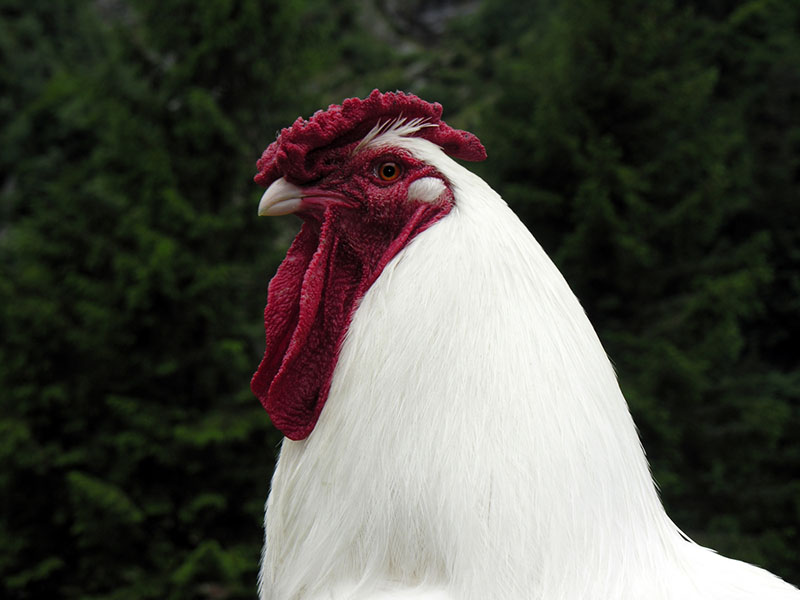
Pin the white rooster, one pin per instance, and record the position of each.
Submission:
(454, 429)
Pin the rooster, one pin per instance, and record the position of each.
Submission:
(453, 428)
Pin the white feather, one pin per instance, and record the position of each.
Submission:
(394, 128)
(475, 443)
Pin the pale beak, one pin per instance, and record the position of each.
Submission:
(281, 198)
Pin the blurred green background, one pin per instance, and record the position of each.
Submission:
(653, 147)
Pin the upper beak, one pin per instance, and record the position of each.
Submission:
(281, 198)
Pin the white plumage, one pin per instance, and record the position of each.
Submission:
(475, 443)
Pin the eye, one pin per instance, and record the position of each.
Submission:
(389, 171)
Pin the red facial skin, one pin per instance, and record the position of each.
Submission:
(355, 223)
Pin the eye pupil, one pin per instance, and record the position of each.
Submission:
(389, 171)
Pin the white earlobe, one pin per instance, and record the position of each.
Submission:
(426, 189)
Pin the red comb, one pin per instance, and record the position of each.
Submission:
(294, 154)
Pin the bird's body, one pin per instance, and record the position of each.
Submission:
(474, 441)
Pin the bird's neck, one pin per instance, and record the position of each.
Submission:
(474, 432)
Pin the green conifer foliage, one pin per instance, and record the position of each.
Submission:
(134, 460)
(651, 146)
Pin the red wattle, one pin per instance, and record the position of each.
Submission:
(310, 303)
